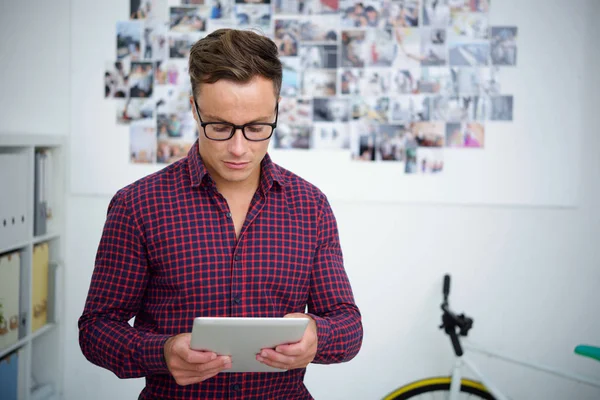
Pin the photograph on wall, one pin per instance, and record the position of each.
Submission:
(142, 142)
(433, 47)
(429, 134)
(312, 7)
(116, 79)
(405, 81)
(468, 26)
(181, 43)
(287, 36)
(155, 41)
(409, 108)
(149, 10)
(331, 109)
(501, 108)
(319, 82)
(141, 79)
(465, 135)
(375, 82)
(188, 19)
(253, 15)
(469, 54)
(362, 14)
(429, 160)
(129, 40)
(354, 49)
(318, 29)
(172, 99)
(131, 109)
(465, 108)
(318, 56)
(435, 80)
(220, 10)
(402, 13)
(436, 13)
(363, 140)
(171, 72)
(391, 145)
(408, 48)
(504, 46)
(330, 136)
(288, 7)
(381, 79)
(375, 109)
(295, 111)
(291, 137)
(290, 85)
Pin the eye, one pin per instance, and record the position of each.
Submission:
(256, 128)
(221, 128)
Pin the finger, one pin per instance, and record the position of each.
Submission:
(293, 350)
(195, 379)
(194, 356)
(183, 365)
(274, 364)
(272, 355)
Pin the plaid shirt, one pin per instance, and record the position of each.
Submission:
(169, 253)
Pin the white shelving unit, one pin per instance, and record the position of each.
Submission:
(40, 352)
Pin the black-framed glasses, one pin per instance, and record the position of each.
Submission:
(253, 131)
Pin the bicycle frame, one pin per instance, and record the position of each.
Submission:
(457, 326)
(491, 387)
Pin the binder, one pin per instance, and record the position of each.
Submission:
(9, 376)
(39, 289)
(40, 216)
(14, 200)
(10, 273)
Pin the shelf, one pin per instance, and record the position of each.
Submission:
(46, 238)
(15, 246)
(28, 140)
(36, 240)
(17, 345)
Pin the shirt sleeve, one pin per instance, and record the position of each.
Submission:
(331, 301)
(115, 295)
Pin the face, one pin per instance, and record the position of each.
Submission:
(234, 162)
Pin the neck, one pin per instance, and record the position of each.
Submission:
(248, 186)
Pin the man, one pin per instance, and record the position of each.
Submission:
(223, 232)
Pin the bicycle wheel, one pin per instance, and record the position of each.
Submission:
(439, 388)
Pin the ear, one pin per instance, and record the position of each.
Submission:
(193, 107)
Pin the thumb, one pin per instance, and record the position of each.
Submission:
(296, 315)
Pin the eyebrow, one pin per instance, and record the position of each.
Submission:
(214, 118)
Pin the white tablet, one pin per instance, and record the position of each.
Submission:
(244, 338)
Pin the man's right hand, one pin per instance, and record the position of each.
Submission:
(191, 366)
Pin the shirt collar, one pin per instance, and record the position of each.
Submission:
(270, 172)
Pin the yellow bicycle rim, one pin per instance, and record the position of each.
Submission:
(446, 380)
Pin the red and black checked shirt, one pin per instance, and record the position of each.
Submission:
(169, 253)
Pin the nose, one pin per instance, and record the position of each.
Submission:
(237, 145)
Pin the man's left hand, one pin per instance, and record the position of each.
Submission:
(295, 355)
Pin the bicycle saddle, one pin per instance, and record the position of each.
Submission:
(588, 351)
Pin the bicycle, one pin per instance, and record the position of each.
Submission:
(454, 385)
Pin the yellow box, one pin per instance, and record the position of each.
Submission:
(10, 273)
(39, 289)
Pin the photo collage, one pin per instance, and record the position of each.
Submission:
(384, 80)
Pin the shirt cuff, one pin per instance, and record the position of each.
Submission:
(323, 333)
(153, 354)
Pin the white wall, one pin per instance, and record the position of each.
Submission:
(529, 276)
(35, 67)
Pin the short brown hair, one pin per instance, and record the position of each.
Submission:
(236, 55)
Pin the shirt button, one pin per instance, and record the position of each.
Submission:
(236, 387)
(237, 300)
(237, 258)
(228, 215)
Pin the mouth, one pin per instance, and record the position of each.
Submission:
(236, 164)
